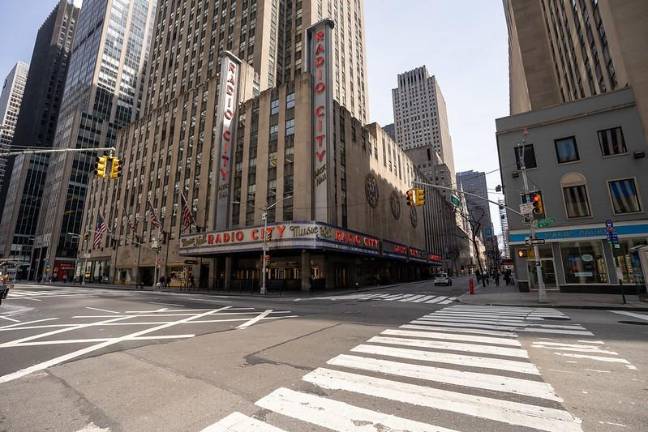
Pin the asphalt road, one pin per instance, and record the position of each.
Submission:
(405, 358)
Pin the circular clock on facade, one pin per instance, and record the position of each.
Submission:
(371, 190)
(395, 205)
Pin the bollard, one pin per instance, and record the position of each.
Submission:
(471, 286)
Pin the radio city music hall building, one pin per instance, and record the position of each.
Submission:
(334, 190)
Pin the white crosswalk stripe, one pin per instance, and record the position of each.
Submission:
(438, 362)
(391, 297)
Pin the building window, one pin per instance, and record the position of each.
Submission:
(574, 188)
(566, 150)
(274, 107)
(624, 195)
(290, 101)
(290, 127)
(612, 142)
(529, 156)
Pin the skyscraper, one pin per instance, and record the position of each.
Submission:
(10, 102)
(35, 128)
(422, 128)
(104, 91)
(563, 51)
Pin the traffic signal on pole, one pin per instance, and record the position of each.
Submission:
(101, 166)
(420, 196)
(538, 205)
(116, 168)
(411, 198)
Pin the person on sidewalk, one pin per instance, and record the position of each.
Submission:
(497, 278)
(507, 277)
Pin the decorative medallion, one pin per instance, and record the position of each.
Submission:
(395, 203)
(413, 217)
(372, 191)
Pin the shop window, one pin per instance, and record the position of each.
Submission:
(528, 153)
(574, 187)
(584, 263)
(566, 150)
(624, 195)
(612, 142)
(628, 263)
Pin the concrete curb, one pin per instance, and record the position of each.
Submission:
(560, 306)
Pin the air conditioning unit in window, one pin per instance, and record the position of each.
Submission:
(515, 174)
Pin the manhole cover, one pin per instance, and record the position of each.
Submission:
(634, 322)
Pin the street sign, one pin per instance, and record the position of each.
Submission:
(546, 222)
(533, 242)
(454, 199)
(609, 225)
(526, 209)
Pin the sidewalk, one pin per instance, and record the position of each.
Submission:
(510, 296)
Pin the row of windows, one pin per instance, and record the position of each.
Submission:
(611, 142)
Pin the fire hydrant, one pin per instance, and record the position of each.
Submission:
(471, 286)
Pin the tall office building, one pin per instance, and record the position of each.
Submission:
(422, 129)
(35, 128)
(562, 51)
(104, 91)
(474, 182)
(295, 148)
(10, 102)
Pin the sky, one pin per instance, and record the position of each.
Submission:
(462, 42)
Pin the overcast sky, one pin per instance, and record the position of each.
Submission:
(462, 42)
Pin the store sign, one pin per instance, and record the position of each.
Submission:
(321, 68)
(435, 258)
(390, 248)
(225, 133)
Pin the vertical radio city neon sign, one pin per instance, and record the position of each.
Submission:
(320, 66)
(225, 135)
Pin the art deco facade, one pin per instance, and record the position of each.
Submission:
(104, 90)
(10, 101)
(334, 189)
(35, 127)
(421, 121)
(562, 51)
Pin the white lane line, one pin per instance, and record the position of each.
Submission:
(557, 331)
(436, 300)
(495, 321)
(102, 310)
(464, 325)
(451, 346)
(445, 302)
(237, 422)
(598, 358)
(591, 342)
(449, 376)
(255, 320)
(93, 428)
(424, 298)
(513, 413)
(26, 323)
(631, 314)
(165, 304)
(9, 319)
(453, 337)
(55, 332)
(25, 298)
(412, 299)
(573, 347)
(338, 416)
(459, 330)
(407, 297)
(445, 314)
(44, 365)
(448, 358)
(82, 341)
(613, 424)
(396, 297)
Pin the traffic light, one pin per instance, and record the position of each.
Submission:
(116, 169)
(411, 197)
(538, 205)
(420, 197)
(102, 164)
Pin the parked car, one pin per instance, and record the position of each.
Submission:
(442, 279)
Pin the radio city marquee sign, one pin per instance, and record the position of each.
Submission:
(225, 133)
(311, 235)
(321, 68)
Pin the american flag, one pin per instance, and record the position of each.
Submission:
(100, 229)
(187, 217)
(152, 216)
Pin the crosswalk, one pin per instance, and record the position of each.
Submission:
(39, 294)
(391, 297)
(459, 365)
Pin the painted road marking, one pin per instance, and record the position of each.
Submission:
(449, 376)
(9, 319)
(451, 346)
(598, 358)
(338, 416)
(102, 310)
(255, 320)
(449, 358)
(66, 357)
(459, 330)
(436, 300)
(631, 314)
(513, 413)
(453, 337)
(237, 422)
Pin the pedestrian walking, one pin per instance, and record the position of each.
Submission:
(497, 278)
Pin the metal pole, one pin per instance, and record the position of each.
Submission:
(265, 251)
(542, 293)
